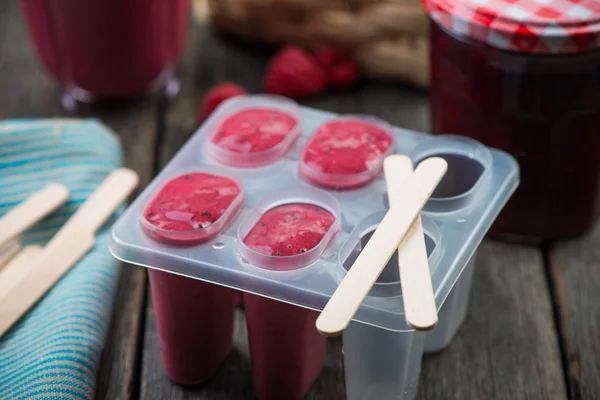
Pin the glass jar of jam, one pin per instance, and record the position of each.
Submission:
(524, 77)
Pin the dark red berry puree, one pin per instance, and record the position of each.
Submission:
(289, 229)
(345, 147)
(253, 130)
(191, 201)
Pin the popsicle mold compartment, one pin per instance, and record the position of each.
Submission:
(347, 152)
(469, 169)
(386, 364)
(192, 207)
(320, 203)
(381, 364)
(195, 323)
(453, 312)
(388, 283)
(460, 225)
(287, 353)
(254, 133)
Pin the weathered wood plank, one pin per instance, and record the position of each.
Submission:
(26, 89)
(118, 374)
(575, 272)
(507, 347)
(29, 92)
(136, 123)
(400, 106)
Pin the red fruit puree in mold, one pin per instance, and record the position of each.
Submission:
(194, 318)
(287, 351)
(289, 229)
(195, 325)
(110, 48)
(345, 147)
(190, 202)
(253, 130)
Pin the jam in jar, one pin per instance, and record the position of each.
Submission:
(524, 77)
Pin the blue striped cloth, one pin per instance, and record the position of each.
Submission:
(53, 352)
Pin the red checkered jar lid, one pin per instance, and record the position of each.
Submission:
(533, 26)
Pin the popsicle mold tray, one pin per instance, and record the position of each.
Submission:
(478, 183)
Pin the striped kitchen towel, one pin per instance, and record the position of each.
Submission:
(53, 352)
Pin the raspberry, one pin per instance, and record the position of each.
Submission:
(216, 95)
(344, 74)
(294, 73)
(341, 70)
(328, 57)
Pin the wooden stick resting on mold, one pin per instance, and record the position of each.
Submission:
(396, 223)
(34, 208)
(415, 277)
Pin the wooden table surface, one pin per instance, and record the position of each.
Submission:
(533, 329)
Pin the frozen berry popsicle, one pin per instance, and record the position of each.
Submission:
(194, 318)
(192, 207)
(346, 153)
(253, 137)
(195, 325)
(286, 349)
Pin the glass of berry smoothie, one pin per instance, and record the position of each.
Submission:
(347, 152)
(194, 318)
(107, 49)
(288, 230)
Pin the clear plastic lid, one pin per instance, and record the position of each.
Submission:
(478, 184)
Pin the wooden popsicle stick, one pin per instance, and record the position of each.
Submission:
(18, 268)
(371, 261)
(53, 262)
(103, 202)
(69, 244)
(88, 218)
(7, 251)
(31, 210)
(415, 277)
